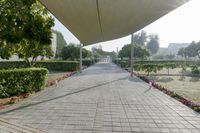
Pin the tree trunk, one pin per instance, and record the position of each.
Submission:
(28, 62)
(33, 61)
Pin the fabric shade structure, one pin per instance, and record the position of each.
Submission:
(93, 21)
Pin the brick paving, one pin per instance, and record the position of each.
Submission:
(103, 99)
(7, 127)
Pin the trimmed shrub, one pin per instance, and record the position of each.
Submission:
(195, 70)
(88, 62)
(178, 63)
(123, 64)
(13, 64)
(59, 65)
(50, 65)
(18, 81)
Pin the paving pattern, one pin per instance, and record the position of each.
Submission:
(7, 127)
(103, 99)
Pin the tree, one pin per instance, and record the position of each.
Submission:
(99, 52)
(153, 44)
(72, 52)
(170, 66)
(181, 52)
(86, 53)
(24, 25)
(170, 56)
(139, 52)
(193, 50)
(30, 51)
(60, 43)
(140, 38)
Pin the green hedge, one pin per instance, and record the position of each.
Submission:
(195, 70)
(88, 62)
(126, 63)
(59, 65)
(12, 64)
(50, 65)
(18, 81)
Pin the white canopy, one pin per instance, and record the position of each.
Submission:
(93, 21)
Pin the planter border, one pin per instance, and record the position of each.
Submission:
(188, 103)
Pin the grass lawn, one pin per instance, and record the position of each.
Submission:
(186, 86)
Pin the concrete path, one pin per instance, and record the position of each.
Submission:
(7, 127)
(103, 99)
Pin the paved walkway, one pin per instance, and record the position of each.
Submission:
(103, 99)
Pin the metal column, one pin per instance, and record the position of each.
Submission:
(80, 58)
(132, 53)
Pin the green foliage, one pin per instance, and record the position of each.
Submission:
(61, 43)
(195, 70)
(154, 66)
(178, 63)
(86, 53)
(193, 50)
(181, 52)
(72, 52)
(153, 44)
(30, 52)
(170, 66)
(50, 65)
(59, 65)
(13, 64)
(139, 52)
(137, 67)
(99, 52)
(140, 38)
(25, 29)
(151, 67)
(124, 64)
(18, 81)
(88, 62)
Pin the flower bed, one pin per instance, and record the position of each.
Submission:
(11, 100)
(190, 104)
(173, 94)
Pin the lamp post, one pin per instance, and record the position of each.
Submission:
(80, 58)
(132, 53)
(117, 56)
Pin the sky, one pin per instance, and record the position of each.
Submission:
(180, 26)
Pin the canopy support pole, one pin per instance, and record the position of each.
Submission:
(80, 58)
(132, 53)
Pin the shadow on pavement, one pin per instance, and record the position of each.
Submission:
(68, 94)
